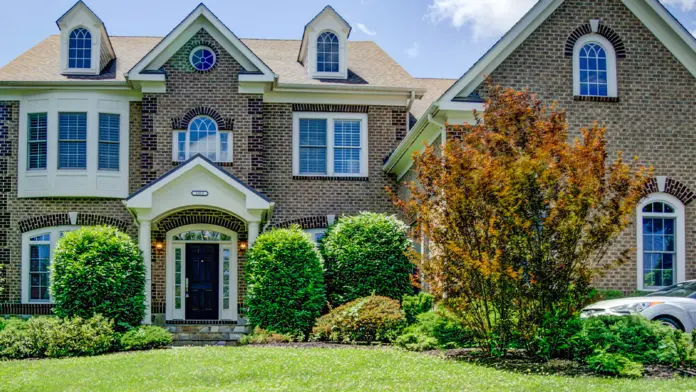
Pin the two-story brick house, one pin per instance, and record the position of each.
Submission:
(627, 64)
(192, 144)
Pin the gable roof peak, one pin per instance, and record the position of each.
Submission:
(328, 10)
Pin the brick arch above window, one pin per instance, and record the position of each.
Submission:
(604, 31)
(307, 222)
(199, 216)
(224, 124)
(672, 187)
(52, 220)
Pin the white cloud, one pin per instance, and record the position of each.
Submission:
(685, 5)
(487, 18)
(365, 30)
(414, 50)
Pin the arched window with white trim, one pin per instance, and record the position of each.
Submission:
(660, 240)
(327, 52)
(37, 254)
(203, 137)
(80, 49)
(594, 67)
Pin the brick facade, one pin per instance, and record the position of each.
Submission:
(652, 118)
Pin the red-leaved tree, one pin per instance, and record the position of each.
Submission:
(518, 219)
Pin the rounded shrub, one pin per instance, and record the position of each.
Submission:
(145, 337)
(366, 255)
(99, 270)
(285, 282)
(365, 320)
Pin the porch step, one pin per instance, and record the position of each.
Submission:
(206, 335)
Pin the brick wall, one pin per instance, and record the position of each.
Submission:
(653, 118)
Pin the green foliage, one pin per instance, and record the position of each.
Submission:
(443, 329)
(261, 336)
(634, 337)
(366, 255)
(553, 338)
(145, 337)
(55, 337)
(285, 282)
(365, 320)
(413, 305)
(615, 365)
(99, 270)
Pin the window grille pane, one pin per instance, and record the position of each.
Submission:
(593, 70)
(327, 52)
(203, 137)
(72, 141)
(225, 155)
(37, 149)
(109, 134)
(312, 160)
(80, 49)
(347, 160)
(181, 146)
(347, 133)
(658, 250)
(312, 132)
(39, 261)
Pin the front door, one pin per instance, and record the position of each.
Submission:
(202, 276)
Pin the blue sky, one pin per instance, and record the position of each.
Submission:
(430, 38)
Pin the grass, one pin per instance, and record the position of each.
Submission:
(290, 369)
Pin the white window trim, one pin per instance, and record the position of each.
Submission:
(612, 89)
(187, 153)
(180, 314)
(680, 235)
(54, 233)
(330, 118)
(314, 232)
(65, 55)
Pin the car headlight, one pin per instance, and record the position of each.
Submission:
(634, 308)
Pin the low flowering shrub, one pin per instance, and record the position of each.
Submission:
(99, 270)
(364, 320)
(54, 337)
(145, 337)
(261, 336)
(285, 282)
(367, 255)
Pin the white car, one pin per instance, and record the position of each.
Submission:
(674, 306)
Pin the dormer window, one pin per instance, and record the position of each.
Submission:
(80, 49)
(327, 52)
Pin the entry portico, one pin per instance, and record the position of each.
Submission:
(193, 222)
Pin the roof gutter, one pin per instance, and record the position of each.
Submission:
(286, 87)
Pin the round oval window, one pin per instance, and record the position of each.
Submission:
(202, 58)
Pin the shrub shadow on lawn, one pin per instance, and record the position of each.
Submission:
(518, 362)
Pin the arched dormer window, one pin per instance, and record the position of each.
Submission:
(80, 49)
(660, 240)
(203, 137)
(327, 52)
(594, 67)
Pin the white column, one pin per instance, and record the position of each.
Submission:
(253, 232)
(146, 248)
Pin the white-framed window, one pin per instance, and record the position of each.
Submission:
(316, 234)
(202, 137)
(37, 254)
(72, 141)
(330, 144)
(327, 52)
(37, 149)
(594, 67)
(109, 137)
(202, 58)
(660, 241)
(80, 49)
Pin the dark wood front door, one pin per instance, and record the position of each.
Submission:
(202, 275)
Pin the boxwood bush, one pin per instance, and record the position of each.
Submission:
(365, 320)
(99, 270)
(55, 337)
(366, 255)
(145, 337)
(285, 282)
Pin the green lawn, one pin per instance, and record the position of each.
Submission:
(260, 368)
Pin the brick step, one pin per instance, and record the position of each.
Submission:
(206, 329)
(206, 335)
(184, 343)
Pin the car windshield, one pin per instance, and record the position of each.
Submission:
(684, 289)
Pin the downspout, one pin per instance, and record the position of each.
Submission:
(409, 103)
(443, 130)
(268, 218)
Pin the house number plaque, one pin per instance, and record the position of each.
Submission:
(199, 193)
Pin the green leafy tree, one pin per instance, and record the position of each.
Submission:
(366, 255)
(99, 270)
(285, 282)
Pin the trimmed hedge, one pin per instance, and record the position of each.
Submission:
(365, 320)
(54, 337)
(366, 255)
(285, 282)
(99, 270)
(145, 337)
